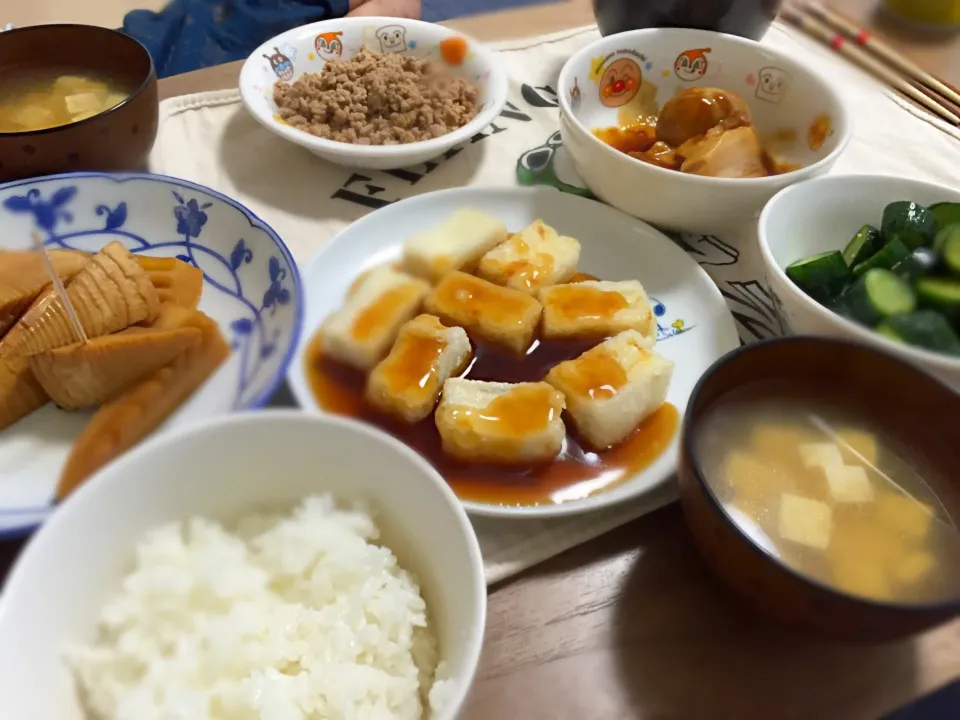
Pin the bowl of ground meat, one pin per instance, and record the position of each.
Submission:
(378, 93)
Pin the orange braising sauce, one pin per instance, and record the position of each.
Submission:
(638, 139)
(574, 474)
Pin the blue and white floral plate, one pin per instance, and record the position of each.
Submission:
(251, 288)
(694, 324)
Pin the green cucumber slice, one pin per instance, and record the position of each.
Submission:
(822, 276)
(912, 224)
(922, 261)
(878, 294)
(944, 234)
(885, 258)
(927, 329)
(865, 243)
(946, 213)
(951, 254)
(940, 293)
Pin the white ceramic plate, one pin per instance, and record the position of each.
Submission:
(251, 288)
(696, 326)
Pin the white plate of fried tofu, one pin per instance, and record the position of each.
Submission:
(409, 294)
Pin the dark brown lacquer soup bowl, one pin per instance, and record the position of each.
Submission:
(897, 398)
(119, 138)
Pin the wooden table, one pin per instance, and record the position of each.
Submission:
(631, 625)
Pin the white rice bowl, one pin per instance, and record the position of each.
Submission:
(280, 617)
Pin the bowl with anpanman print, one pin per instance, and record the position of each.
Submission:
(695, 130)
(369, 92)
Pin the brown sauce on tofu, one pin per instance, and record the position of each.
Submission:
(412, 363)
(460, 294)
(528, 409)
(577, 472)
(596, 375)
(371, 320)
(569, 302)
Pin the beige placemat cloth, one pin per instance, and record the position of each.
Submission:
(209, 138)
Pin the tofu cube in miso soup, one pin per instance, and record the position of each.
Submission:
(780, 443)
(409, 380)
(777, 446)
(820, 454)
(862, 557)
(613, 387)
(858, 446)
(456, 244)
(361, 332)
(903, 516)
(596, 308)
(498, 314)
(503, 423)
(533, 258)
(755, 485)
(848, 484)
(805, 521)
(914, 567)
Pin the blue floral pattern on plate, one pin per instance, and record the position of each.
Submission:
(251, 288)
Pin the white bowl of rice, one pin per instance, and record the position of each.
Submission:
(272, 565)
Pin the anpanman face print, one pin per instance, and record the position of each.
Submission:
(620, 82)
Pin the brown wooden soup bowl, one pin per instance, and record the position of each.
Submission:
(117, 139)
(930, 413)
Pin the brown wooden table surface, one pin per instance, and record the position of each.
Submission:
(631, 625)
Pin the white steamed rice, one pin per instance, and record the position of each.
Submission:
(295, 617)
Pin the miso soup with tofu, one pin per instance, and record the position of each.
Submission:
(40, 100)
(824, 483)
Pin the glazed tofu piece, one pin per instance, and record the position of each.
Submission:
(596, 308)
(498, 314)
(407, 383)
(533, 258)
(361, 332)
(456, 244)
(503, 423)
(613, 387)
(805, 521)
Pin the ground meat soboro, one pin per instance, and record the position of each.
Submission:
(377, 99)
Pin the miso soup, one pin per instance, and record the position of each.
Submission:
(41, 100)
(834, 489)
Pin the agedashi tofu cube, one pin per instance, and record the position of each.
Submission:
(903, 515)
(596, 308)
(501, 315)
(804, 521)
(848, 483)
(456, 244)
(504, 423)
(533, 258)
(613, 387)
(408, 381)
(361, 332)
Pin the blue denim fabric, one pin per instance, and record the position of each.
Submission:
(192, 34)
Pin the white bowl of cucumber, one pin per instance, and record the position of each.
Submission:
(872, 258)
